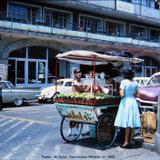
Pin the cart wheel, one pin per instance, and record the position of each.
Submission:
(64, 129)
(106, 131)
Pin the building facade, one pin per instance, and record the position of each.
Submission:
(33, 32)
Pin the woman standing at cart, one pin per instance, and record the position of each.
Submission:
(128, 115)
(77, 87)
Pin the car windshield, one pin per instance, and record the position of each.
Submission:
(9, 84)
(154, 80)
(59, 83)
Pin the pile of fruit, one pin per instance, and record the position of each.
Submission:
(88, 99)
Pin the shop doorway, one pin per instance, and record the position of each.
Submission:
(37, 72)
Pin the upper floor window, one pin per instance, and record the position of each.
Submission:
(90, 24)
(57, 19)
(126, 0)
(115, 28)
(155, 35)
(148, 3)
(138, 32)
(23, 12)
(17, 11)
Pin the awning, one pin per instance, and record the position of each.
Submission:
(89, 57)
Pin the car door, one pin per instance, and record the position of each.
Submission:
(67, 87)
(6, 93)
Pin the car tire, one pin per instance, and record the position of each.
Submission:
(1, 104)
(18, 102)
(42, 101)
(1, 107)
(54, 97)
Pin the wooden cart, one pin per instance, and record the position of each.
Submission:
(101, 116)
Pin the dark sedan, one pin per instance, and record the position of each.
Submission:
(149, 94)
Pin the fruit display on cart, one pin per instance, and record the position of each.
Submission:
(88, 99)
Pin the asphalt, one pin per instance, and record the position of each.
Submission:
(32, 133)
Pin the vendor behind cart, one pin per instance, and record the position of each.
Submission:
(95, 88)
(77, 88)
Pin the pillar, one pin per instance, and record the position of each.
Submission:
(3, 69)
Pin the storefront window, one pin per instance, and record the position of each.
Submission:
(41, 72)
(51, 65)
(11, 71)
(32, 66)
(32, 72)
(147, 68)
(37, 52)
(138, 70)
(20, 72)
(19, 53)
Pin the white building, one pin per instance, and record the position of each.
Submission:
(33, 32)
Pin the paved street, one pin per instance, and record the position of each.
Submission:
(32, 133)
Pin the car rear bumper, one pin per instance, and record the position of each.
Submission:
(147, 102)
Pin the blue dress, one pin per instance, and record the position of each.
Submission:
(128, 113)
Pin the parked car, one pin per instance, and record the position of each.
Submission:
(148, 95)
(142, 81)
(49, 92)
(12, 94)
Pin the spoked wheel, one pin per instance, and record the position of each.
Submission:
(64, 129)
(106, 131)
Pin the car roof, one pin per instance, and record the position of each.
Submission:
(141, 78)
(65, 79)
(4, 81)
(156, 74)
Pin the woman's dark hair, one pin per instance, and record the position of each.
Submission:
(128, 73)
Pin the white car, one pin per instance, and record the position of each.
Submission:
(49, 93)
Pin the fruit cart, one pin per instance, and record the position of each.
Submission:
(98, 110)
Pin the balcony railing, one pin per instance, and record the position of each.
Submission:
(128, 7)
(44, 25)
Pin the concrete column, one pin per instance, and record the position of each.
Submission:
(157, 135)
(3, 69)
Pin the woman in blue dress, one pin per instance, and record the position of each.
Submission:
(128, 115)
